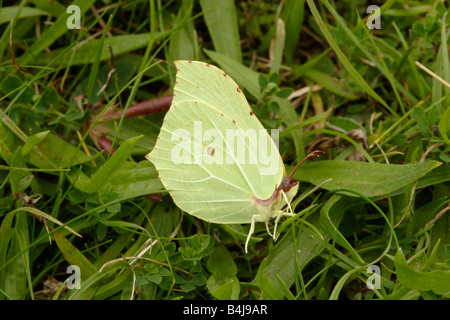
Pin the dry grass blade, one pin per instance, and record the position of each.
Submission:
(434, 75)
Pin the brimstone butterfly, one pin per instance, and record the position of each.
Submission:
(214, 156)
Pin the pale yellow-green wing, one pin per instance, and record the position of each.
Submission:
(213, 155)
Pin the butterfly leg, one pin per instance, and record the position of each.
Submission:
(275, 237)
(287, 202)
(268, 230)
(250, 232)
(282, 213)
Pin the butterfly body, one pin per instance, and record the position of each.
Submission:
(214, 156)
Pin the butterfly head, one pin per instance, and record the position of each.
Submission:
(288, 182)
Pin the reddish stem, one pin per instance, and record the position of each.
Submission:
(159, 104)
(105, 144)
(156, 105)
(154, 197)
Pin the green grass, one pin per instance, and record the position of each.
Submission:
(67, 199)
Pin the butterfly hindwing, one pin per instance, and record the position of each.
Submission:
(213, 155)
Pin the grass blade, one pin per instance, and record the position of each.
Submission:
(221, 20)
(74, 257)
(343, 59)
(292, 14)
(278, 47)
(438, 280)
(369, 179)
(58, 28)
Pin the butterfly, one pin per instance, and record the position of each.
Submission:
(214, 156)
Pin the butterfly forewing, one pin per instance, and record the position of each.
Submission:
(213, 155)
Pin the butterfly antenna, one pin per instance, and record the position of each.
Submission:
(315, 153)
